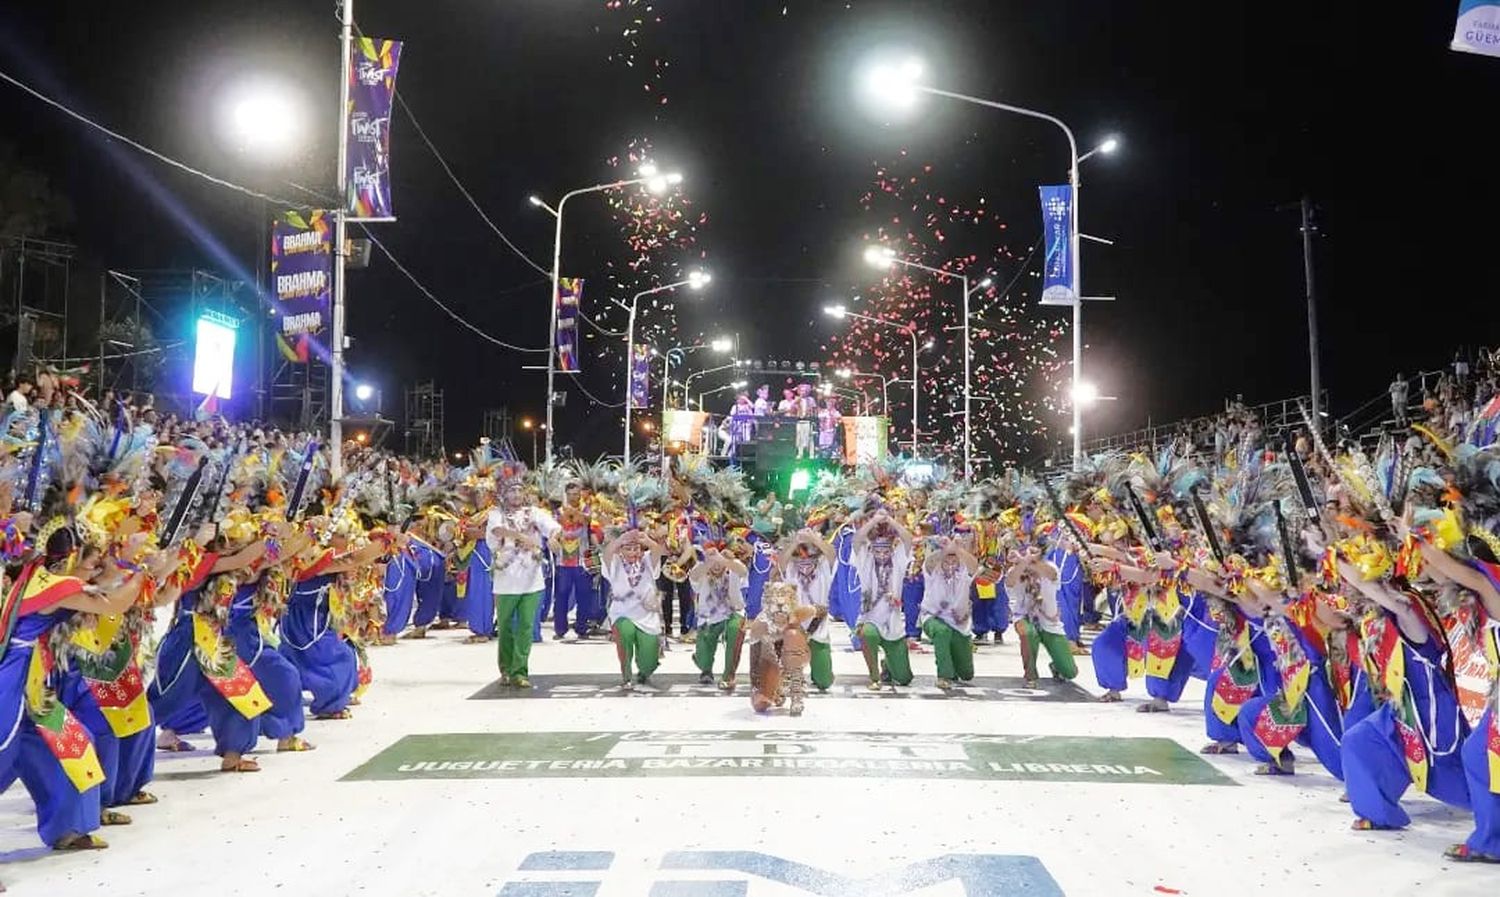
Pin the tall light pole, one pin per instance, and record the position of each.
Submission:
(885, 385)
(340, 237)
(884, 257)
(738, 384)
(721, 344)
(656, 183)
(900, 84)
(839, 311)
(697, 280)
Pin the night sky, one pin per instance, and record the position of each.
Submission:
(1227, 111)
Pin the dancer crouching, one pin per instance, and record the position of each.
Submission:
(631, 564)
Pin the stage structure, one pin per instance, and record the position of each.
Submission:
(34, 281)
(424, 421)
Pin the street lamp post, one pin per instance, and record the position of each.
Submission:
(883, 256)
(885, 385)
(656, 183)
(687, 384)
(900, 83)
(697, 280)
(839, 311)
(738, 384)
(722, 344)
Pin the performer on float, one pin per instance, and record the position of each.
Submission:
(881, 556)
(829, 421)
(947, 611)
(719, 583)
(516, 532)
(632, 562)
(807, 562)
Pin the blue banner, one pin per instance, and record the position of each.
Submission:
(1478, 28)
(1057, 230)
(372, 88)
(569, 294)
(640, 377)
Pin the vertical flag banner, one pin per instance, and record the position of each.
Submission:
(569, 294)
(302, 274)
(1057, 231)
(1478, 28)
(865, 440)
(640, 377)
(372, 88)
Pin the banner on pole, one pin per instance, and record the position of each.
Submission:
(865, 440)
(1057, 232)
(372, 89)
(1478, 27)
(302, 274)
(569, 294)
(640, 377)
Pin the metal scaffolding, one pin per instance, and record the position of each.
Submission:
(424, 421)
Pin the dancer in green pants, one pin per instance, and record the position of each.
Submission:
(947, 612)
(719, 584)
(1031, 583)
(806, 561)
(631, 564)
(516, 532)
(881, 556)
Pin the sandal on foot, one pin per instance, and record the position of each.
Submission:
(337, 714)
(141, 798)
(1152, 707)
(1214, 748)
(1110, 697)
(1271, 769)
(1360, 824)
(113, 817)
(177, 747)
(1460, 853)
(295, 745)
(476, 639)
(726, 685)
(244, 764)
(79, 842)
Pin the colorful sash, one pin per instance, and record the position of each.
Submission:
(1285, 715)
(61, 731)
(106, 660)
(1240, 678)
(223, 668)
(1164, 637)
(1491, 636)
(1384, 657)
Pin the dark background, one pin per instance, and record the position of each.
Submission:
(1228, 111)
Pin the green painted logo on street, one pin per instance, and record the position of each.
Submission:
(684, 685)
(1044, 758)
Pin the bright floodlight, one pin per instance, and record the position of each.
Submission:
(880, 256)
(739, 384)
(986, 283)
(363, 392)
(844, 373)
(674, 178)
(834, 311)
(1085, 393)
(894, 83)
(265, 120)
(647, 171)
(722, 344)
(1109, 145)
(929, 344)
(698, 279)
(535, 200)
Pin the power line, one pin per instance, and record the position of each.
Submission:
(182, 166)
(438, 302)
(595, 399)
(454, 178)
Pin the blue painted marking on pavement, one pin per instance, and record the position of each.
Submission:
(980, 875)
(568, 860)
(700, 889)
(550, 889)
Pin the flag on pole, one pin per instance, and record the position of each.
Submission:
(569, 295)
(1057, 232)
(372, 89)
(640, 377)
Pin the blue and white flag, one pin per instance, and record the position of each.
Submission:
(1478, 28)
(1057, 231)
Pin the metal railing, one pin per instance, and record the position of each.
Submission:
(1274, 418)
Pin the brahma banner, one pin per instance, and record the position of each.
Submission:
(372, 89)
(302, 275)
(569, 295)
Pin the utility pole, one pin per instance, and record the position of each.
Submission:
(1312, 313)
(340, 237)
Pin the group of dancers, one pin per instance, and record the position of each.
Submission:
(1339, 601)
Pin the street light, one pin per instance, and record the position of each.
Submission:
(696, 280)
(738, 384)
(656, 183)
(688, 383)
(885, 385)
(841, 312)
(364, 392)
(264, 120)
(884, 257)
(719, 344)
(898, 83)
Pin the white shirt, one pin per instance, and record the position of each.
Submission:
(1041, 608)
(18, 402)
(946, 598)
(884, 610)
(639, 603)
(517, 571)
(717, 598)
(813, 592)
